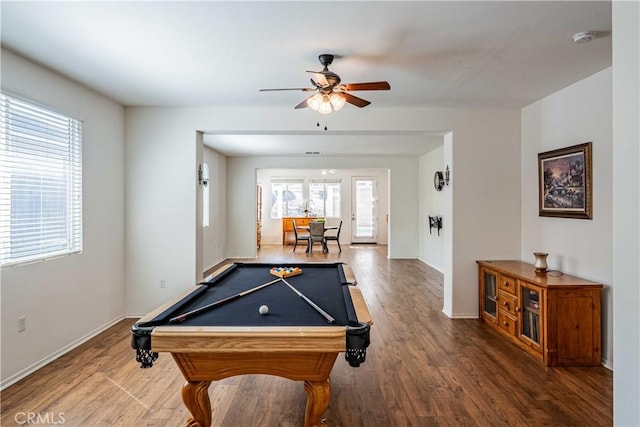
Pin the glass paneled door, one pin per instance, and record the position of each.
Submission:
(364, 205)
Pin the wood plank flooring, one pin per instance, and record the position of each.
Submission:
(422, 369)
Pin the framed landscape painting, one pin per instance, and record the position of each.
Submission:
(564, 182)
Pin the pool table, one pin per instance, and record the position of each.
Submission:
(294, 340)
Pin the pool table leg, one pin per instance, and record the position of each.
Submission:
(195, 395)
(318, 396)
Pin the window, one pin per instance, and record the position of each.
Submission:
(40, 182)
(324, 198)
(286, 198)
(295, 197)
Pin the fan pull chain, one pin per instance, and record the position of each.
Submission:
(325, 125)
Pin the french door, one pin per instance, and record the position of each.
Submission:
(364, 210)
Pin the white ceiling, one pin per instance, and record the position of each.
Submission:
(211, 53)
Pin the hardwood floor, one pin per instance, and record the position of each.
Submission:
(422, 369)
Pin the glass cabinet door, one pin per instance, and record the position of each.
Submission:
(490, 292)
(530, 300)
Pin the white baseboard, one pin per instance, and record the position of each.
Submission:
(460, 315)
(53, 356)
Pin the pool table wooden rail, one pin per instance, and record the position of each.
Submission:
(360, 305)
(270, 339)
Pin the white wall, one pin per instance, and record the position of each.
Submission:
(432, 203)
(161, 161)
(485, 205)
(576, 114)
(161, 218)
(68, 299)
(214, 236)
(626, 216)
(272, 228)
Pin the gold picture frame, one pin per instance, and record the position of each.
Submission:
(565, 182)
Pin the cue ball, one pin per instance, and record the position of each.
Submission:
(263, 309)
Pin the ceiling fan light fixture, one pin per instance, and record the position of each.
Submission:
(337, 101)
(332, 95)
(315, 101)
(325, 106)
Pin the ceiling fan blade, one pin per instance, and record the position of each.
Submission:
(319, 77)
(366, 86)
(303, 104)
(303, 89)
(354, 100)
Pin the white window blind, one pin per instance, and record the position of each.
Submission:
(40, 182)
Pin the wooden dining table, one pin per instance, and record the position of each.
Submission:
(327, 227)
(308, 229)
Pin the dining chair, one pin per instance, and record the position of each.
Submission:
(299, 237)
(336, 237)
(316, 234)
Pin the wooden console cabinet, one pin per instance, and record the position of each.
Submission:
(553, 316)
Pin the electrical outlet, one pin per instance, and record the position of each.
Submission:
(22, 323)
(163, 283)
